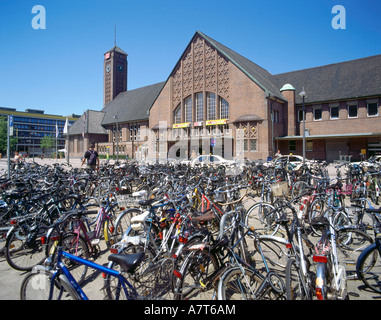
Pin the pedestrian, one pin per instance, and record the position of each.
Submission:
(278, 154)
(92, 158)
(17, 159)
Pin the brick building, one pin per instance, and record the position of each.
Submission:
(217, 101)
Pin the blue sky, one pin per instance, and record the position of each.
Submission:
(60, 69)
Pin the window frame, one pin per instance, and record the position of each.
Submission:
(199, 105)
(222, 105)
(177, 114)
(330, 112)
(357, 111)
(367, 109)
(321, 113)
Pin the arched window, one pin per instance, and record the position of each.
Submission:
(188, 109)
(177, 114)
(199, 107)
(211, 105)
(224, 109)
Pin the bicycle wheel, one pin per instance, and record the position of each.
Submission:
(298, 188)
(123, 222)
(341, 219)
(109, 230)
(36, 286)
(238, 284)
(24, 247)
(142, 282)
(369, 267)
(316, 210)
(351, 242)
(296, 288)
(262, 217)
(193, 284)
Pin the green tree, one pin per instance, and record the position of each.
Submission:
(47, 142)
(4, 135)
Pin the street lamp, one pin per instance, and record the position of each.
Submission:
(117, 138)
(304, 95)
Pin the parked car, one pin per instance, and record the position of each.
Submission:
(295, 160)
(209, 159)
(371, 161)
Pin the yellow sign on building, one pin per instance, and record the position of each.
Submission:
(181, 125)
(216, 122)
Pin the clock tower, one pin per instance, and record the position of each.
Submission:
(115, 73)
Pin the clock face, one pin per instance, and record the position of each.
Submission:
(120, 68)
(108, 68)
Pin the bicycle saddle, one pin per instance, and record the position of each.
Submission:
(147, 202)
(207, 216)
(128, 262)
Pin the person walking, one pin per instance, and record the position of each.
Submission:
(17, 159)
(92, 158)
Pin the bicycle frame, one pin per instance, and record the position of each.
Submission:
(62, 269)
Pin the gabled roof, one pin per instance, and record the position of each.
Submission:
(131, 105)
(344, 80)
(90, 123)
(260, 76)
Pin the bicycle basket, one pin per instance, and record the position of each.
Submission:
(280, 189)
(131, 200)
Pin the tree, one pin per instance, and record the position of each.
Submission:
(4, 136)
(47, 142)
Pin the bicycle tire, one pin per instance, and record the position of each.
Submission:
(111, 284)
(368, 267)
(23, 249)
(123, 222)
(298, 188)
(197, 266)
(263, 217)
(234, 285)
(36, 286)
(351, 242)
(316, 210)
(295, 285)
(108, 231)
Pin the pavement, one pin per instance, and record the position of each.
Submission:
(10, 279)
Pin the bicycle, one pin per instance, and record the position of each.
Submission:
(368, 267)
(55, 281)
(331, 280)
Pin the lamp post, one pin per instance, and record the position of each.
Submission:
(117, 137)
(303, 95)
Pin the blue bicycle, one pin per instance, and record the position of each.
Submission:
(54, 280)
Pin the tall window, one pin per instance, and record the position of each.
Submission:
(334, 111)
(317, 113)
(199, 107)
(188, 110)
(372, 109)
(177, 114)
(352, 111)
(134, 132)
(224, 109)
(211, 105)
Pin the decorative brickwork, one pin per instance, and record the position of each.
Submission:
(200, 69)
